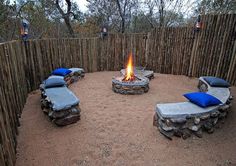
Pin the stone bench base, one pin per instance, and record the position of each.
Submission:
(184, 127)
(63, 117)
(72, 117)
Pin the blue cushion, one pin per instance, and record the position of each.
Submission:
(54, 82)
(216, 82)
(61, 72)
(202, 99)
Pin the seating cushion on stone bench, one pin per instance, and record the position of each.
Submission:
(54, 82)
(221, 93)
(61, 72)
(56, 76)
(202, 99)
(182, 110)
(61, 98)
(216, 82)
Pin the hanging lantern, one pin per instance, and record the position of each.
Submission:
(104, 32)
(25, 29)
(198, 24)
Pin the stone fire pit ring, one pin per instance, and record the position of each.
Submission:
(139, 86)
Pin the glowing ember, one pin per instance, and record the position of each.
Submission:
(129, 76)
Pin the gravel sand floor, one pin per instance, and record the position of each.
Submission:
(117, 129)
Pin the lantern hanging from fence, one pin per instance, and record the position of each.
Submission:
(104, 32)
(198, 24)
(25, 29)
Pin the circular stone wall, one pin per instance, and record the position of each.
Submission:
(139, 86)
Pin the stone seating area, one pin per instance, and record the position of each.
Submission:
(185, 118)
(59, 103)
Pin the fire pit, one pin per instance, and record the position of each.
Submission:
(130, 83)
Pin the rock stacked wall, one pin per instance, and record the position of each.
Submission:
(184, 127)
(62, 117)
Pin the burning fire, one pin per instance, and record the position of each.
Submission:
(130, 69)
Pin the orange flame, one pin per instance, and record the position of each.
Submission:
(130, 69)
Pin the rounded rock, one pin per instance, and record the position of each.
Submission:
(194, 128)
(204, 117)
(197, 120)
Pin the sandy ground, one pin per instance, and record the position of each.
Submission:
(117, 129)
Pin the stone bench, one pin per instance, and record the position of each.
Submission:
(59, 103)
(62, 106)
(182, 119)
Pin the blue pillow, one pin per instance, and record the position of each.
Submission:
(54, 82)
(216, 82)
(202, 99)
(61, 72)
